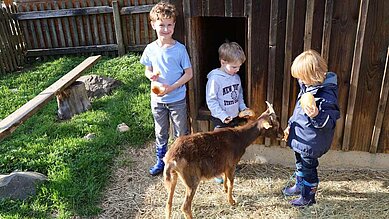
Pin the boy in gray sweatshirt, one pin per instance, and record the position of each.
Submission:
(224, 94)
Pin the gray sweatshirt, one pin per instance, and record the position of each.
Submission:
(224, 94)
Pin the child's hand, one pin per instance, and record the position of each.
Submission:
(311, 111)
(154, 77)
(286, 134)
(227, 120)
(166, 89)
(247, 113)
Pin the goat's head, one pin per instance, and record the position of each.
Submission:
(270, 122)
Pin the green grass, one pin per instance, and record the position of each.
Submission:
(77, 169)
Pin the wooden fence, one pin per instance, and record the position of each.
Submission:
(12, 46)
(84, 26)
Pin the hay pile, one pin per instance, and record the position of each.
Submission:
(132, 193)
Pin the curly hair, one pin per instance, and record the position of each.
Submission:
(163, 10)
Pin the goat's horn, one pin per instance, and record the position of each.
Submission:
(270, 107)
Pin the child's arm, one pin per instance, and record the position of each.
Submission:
(213, 103)
(327, 115)
(286, 133)
(242, 105)
(188, 74)
(150, 74)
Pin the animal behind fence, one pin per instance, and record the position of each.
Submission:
(206, 155)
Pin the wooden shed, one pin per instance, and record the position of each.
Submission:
(352, 35)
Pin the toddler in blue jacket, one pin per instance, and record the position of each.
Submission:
(311, 128)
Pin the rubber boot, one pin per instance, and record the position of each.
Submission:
(307, 198)
(219, 180)
(159, 165)
(296, 189)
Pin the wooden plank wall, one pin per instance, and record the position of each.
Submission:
(12, 46)
(352, 36)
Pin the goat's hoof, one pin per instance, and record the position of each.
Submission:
(232, 201)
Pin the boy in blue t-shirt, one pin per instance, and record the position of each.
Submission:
(167, 62)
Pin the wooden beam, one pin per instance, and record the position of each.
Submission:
(228, 8)
(205, 8)
(118, 28)
(72, 50)
(327, 26)
(381, 107)
(355, 69)
(309, 24)
(287, 64)
(33, 15)
(11, 122)
(136, 48)
(190, 43)
(249, 76)
(136, 9)
(271, 78)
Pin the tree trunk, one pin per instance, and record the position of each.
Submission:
(73, 100)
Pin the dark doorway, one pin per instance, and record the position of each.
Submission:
(213, 32)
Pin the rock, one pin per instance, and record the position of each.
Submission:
(20, 185)
(90, 136)
(98, 86)
(122, 127)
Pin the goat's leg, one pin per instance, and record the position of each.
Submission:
(170, 187)
(230, 176)
(187, 205)
(191, 184)
(225, 183)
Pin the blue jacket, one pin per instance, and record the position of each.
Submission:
(312, 137)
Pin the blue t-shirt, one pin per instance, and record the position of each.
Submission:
(171, 62)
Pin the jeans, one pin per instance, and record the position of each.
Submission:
(163, 113)
(307, 168)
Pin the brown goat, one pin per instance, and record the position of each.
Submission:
(209, 154)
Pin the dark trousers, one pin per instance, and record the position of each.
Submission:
(307, 168)
(217, 123)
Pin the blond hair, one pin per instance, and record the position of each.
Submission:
(231, 52)
(310, 67)
(163, 10)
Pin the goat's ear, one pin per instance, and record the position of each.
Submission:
(266, 125)
(270, 108)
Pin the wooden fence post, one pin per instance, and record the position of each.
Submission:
(118, 30)
(355, 70)
(287, 64)
(381, 108)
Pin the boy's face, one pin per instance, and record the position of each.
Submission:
(231, 67)
(164, 28)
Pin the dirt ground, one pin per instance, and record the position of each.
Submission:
(133, 193)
